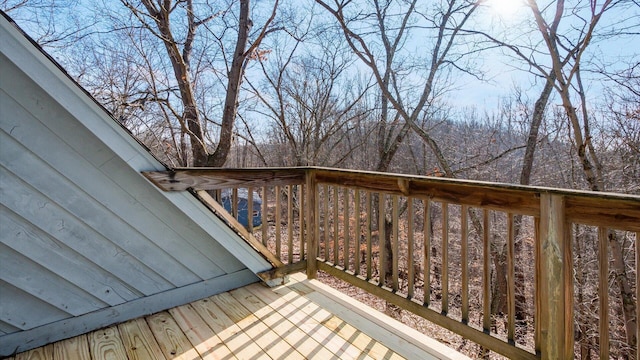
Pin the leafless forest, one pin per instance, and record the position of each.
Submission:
(388, 86)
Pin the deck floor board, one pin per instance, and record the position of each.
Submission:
(301, 320)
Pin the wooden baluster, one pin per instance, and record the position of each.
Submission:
(301, 220)
(382, 261)
(336, 248)
(312, 226)
(394, 243)
(537, 248)
(290, 223)
(369, 229)
(325, 212)
(426, 261)
(511, 285)
(356, 245)
(486, 273)
(445, 257)
(637, 294)
(345, 228)
(278, 219)
(234, 203)
(410, 249)
(603, 292)
(556, 280)
(464, 257)
(263, 215)
(250, 209)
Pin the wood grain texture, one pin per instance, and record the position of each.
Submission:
(43, 353)
(139, 341)
(216, 178)
(173, 343)
(206, 342)
(76, 348)
(468, 332)
(301, 320)
(269, 341)
(232, 336)
(106, 344)
(304, 344)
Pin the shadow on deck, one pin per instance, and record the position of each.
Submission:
(304, 319)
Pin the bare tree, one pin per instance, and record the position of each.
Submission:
(158, 17)
(313, 102)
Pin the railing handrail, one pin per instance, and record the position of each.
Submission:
(585, 207)
(296, 175)
(553, 210)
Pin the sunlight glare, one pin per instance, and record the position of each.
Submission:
(505, 8)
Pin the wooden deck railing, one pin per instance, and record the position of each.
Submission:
(454, 252)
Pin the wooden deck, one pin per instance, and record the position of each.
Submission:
(302, 320)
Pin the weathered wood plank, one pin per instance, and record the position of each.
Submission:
(464, 257)
(511, 281)
(486, 271)
(369, 230)
(263, 214)
(603, 293)
(246, 235)
(30, 277)
(395, 242)
(217, 178)
(42, 353)
(309, 318)
(231, 335)
(325, 214)
(281, 272)
(426, 252)
(58, 328)
(598, 210)
(410, 249)
(357, 240)
(290, 224)
(345, 228)
(50, 253)
(76, 348)
(172, 341)
(336, 234)
(313, 226)
(206, 342)
(382, 238)
(398, 337)
(23, 311)
(106, 344)
(26, 202)
(305, 344)
(138, 340)
(445, 258)
(557, 302)
(271, 343)
(105, 206)
(359, 339)
(278, 219)
(499, 197)
(477, 336)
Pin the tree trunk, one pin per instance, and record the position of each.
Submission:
(220, 155)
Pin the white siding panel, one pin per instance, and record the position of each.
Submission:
(54, 255)
(98, 200)
(6, 328)
(131, 197)
(58, 223)
(21, 272)
(23, 311)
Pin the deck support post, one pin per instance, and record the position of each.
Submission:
(556, 282)
(312, 224)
